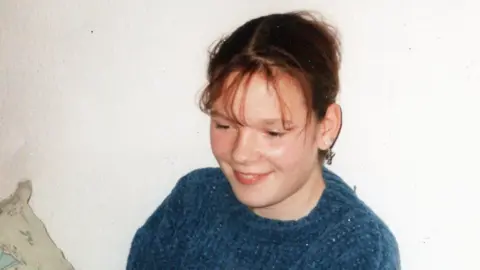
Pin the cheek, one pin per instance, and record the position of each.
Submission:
(291, 153)
(221, 142)
(283, 155)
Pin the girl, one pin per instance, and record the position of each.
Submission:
(271, 204)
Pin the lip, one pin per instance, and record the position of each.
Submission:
(250, 178)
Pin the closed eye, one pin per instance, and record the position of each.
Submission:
(275, 134)
(220, 126)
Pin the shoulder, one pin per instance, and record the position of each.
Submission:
(194, 190)
(175, 217)
(186, 197)
(365, 241)
(358, 238)
(198, 180)
(197, 177)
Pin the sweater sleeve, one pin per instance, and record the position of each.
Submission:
(154, 242)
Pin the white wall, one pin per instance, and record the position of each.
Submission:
(97, 107)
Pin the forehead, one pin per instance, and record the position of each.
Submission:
(254, 97)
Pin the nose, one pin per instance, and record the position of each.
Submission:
(245, 149)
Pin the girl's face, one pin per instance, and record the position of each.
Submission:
(272, 166)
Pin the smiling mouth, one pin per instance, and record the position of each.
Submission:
(250, 178)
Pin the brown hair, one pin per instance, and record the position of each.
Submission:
(293, 43)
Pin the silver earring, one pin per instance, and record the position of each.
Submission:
(329, 156)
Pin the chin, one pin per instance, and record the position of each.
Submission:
(252, 197)
(252, 202)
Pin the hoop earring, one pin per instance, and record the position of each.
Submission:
(329, 156)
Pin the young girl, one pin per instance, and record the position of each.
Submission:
(271, 204)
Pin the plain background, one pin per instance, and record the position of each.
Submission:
(98, 109)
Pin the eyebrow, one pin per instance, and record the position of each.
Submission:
(265, 122)
(274, 121)
(217, 113)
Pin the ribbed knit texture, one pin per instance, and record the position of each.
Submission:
(201, 225)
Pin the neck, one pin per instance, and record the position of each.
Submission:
(300, 203)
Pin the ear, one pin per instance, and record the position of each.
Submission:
(329, 127)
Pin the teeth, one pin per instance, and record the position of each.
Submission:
(250, 176)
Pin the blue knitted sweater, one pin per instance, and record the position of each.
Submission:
(201, 225)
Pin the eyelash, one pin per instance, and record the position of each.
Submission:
(275, 134)
(218, 126)
(269, 133)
